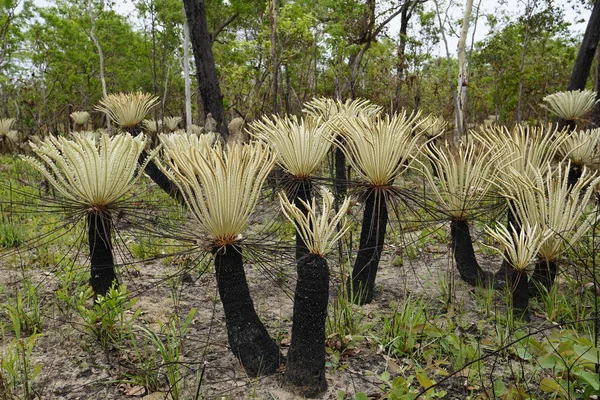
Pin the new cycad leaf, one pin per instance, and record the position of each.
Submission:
(127, 109)
(581, 147)
(220, 186)
(90, 172)
(519, 248)
(571, 105)
(318, 230)
(301, 146)
(380, 149)
(326, 108)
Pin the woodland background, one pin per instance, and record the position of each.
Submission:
(272, 56)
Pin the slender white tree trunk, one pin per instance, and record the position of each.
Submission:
(186, 77)
(100, 55)
(461, 88)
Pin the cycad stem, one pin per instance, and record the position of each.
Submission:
(305, 368)
(464, 254)
(302, 191)
(101, 256)
(372, 236)
(248, 338)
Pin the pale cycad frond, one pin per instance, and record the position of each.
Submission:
(80, 117)
(433, 125)
(581, 147)
(572, 104)
(127, 109)
(464, 177)
(152, 126)
(519, 247)
(524, 148)
(301, 145)
(380, 149)
(319, 230)
(5, 125)
(220, 186)
(172, 122)
(547, 200)
(327, 108)
(89, 172)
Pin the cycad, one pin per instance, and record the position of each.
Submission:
(305, 368)
(581, 148)
(80, 118)
(570, 105)
(301, 147)
(379, 150)
(461, 183)
(221, 188)
(128, 109)
(92, 176)
(8, 138)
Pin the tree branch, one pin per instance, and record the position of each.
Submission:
(219, 29)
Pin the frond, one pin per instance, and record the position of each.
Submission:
(519, 248)
(80, 117)
(301, 146)
(326, 108)
(90, 172)
(172, 122)
(581, 147)
(152, 126)
(127, 109)
(465, 177)
(221, 186)
(5, 125)
(433, 126)
(546, 200)
(318, 230)
(379, 149)
(570, 105)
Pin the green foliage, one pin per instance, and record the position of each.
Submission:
(11, 234)
(24, 309)
(111, 317)
(18, 369)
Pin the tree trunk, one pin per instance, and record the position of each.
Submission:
(519, 294)
(248, 338)
(101, 256)
(543, 276)
(372, 236)
(206, 72)
(462, 73)
(583, 62)
(301, 190)
(274, 58)
(305, 369)
(401, 55)
(186, 77)
(100, 57)
(464, 254)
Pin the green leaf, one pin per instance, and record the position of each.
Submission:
(590, 378)
(550, 385)
(361, 396)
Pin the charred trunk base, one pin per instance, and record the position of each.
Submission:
(575, 172)
(519, 290)
(103, 275)
(248, 338)
(361, 285)
(464, 255)
(301, 189)
(543, 277)
(305, 369)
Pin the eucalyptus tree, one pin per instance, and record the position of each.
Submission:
(94, 178)
(379, 149)
(221, 188)
(305, 367)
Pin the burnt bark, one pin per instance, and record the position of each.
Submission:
(464, 254)
(301, 190)
(305, 369)
(103, 274)
(372, 235)
(544, 274)
(519, 290)
(248, 338)
(206, 71)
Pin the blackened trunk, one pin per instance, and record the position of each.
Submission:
(575, 172)
(340, 180)
(248, 338)
(302, 191)
(501, 276)
(464, 254)
(543, 276)
(519, 289)
(372, 235)
(101, 256)
(206, 71)
(585, 56)
(305, 367)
